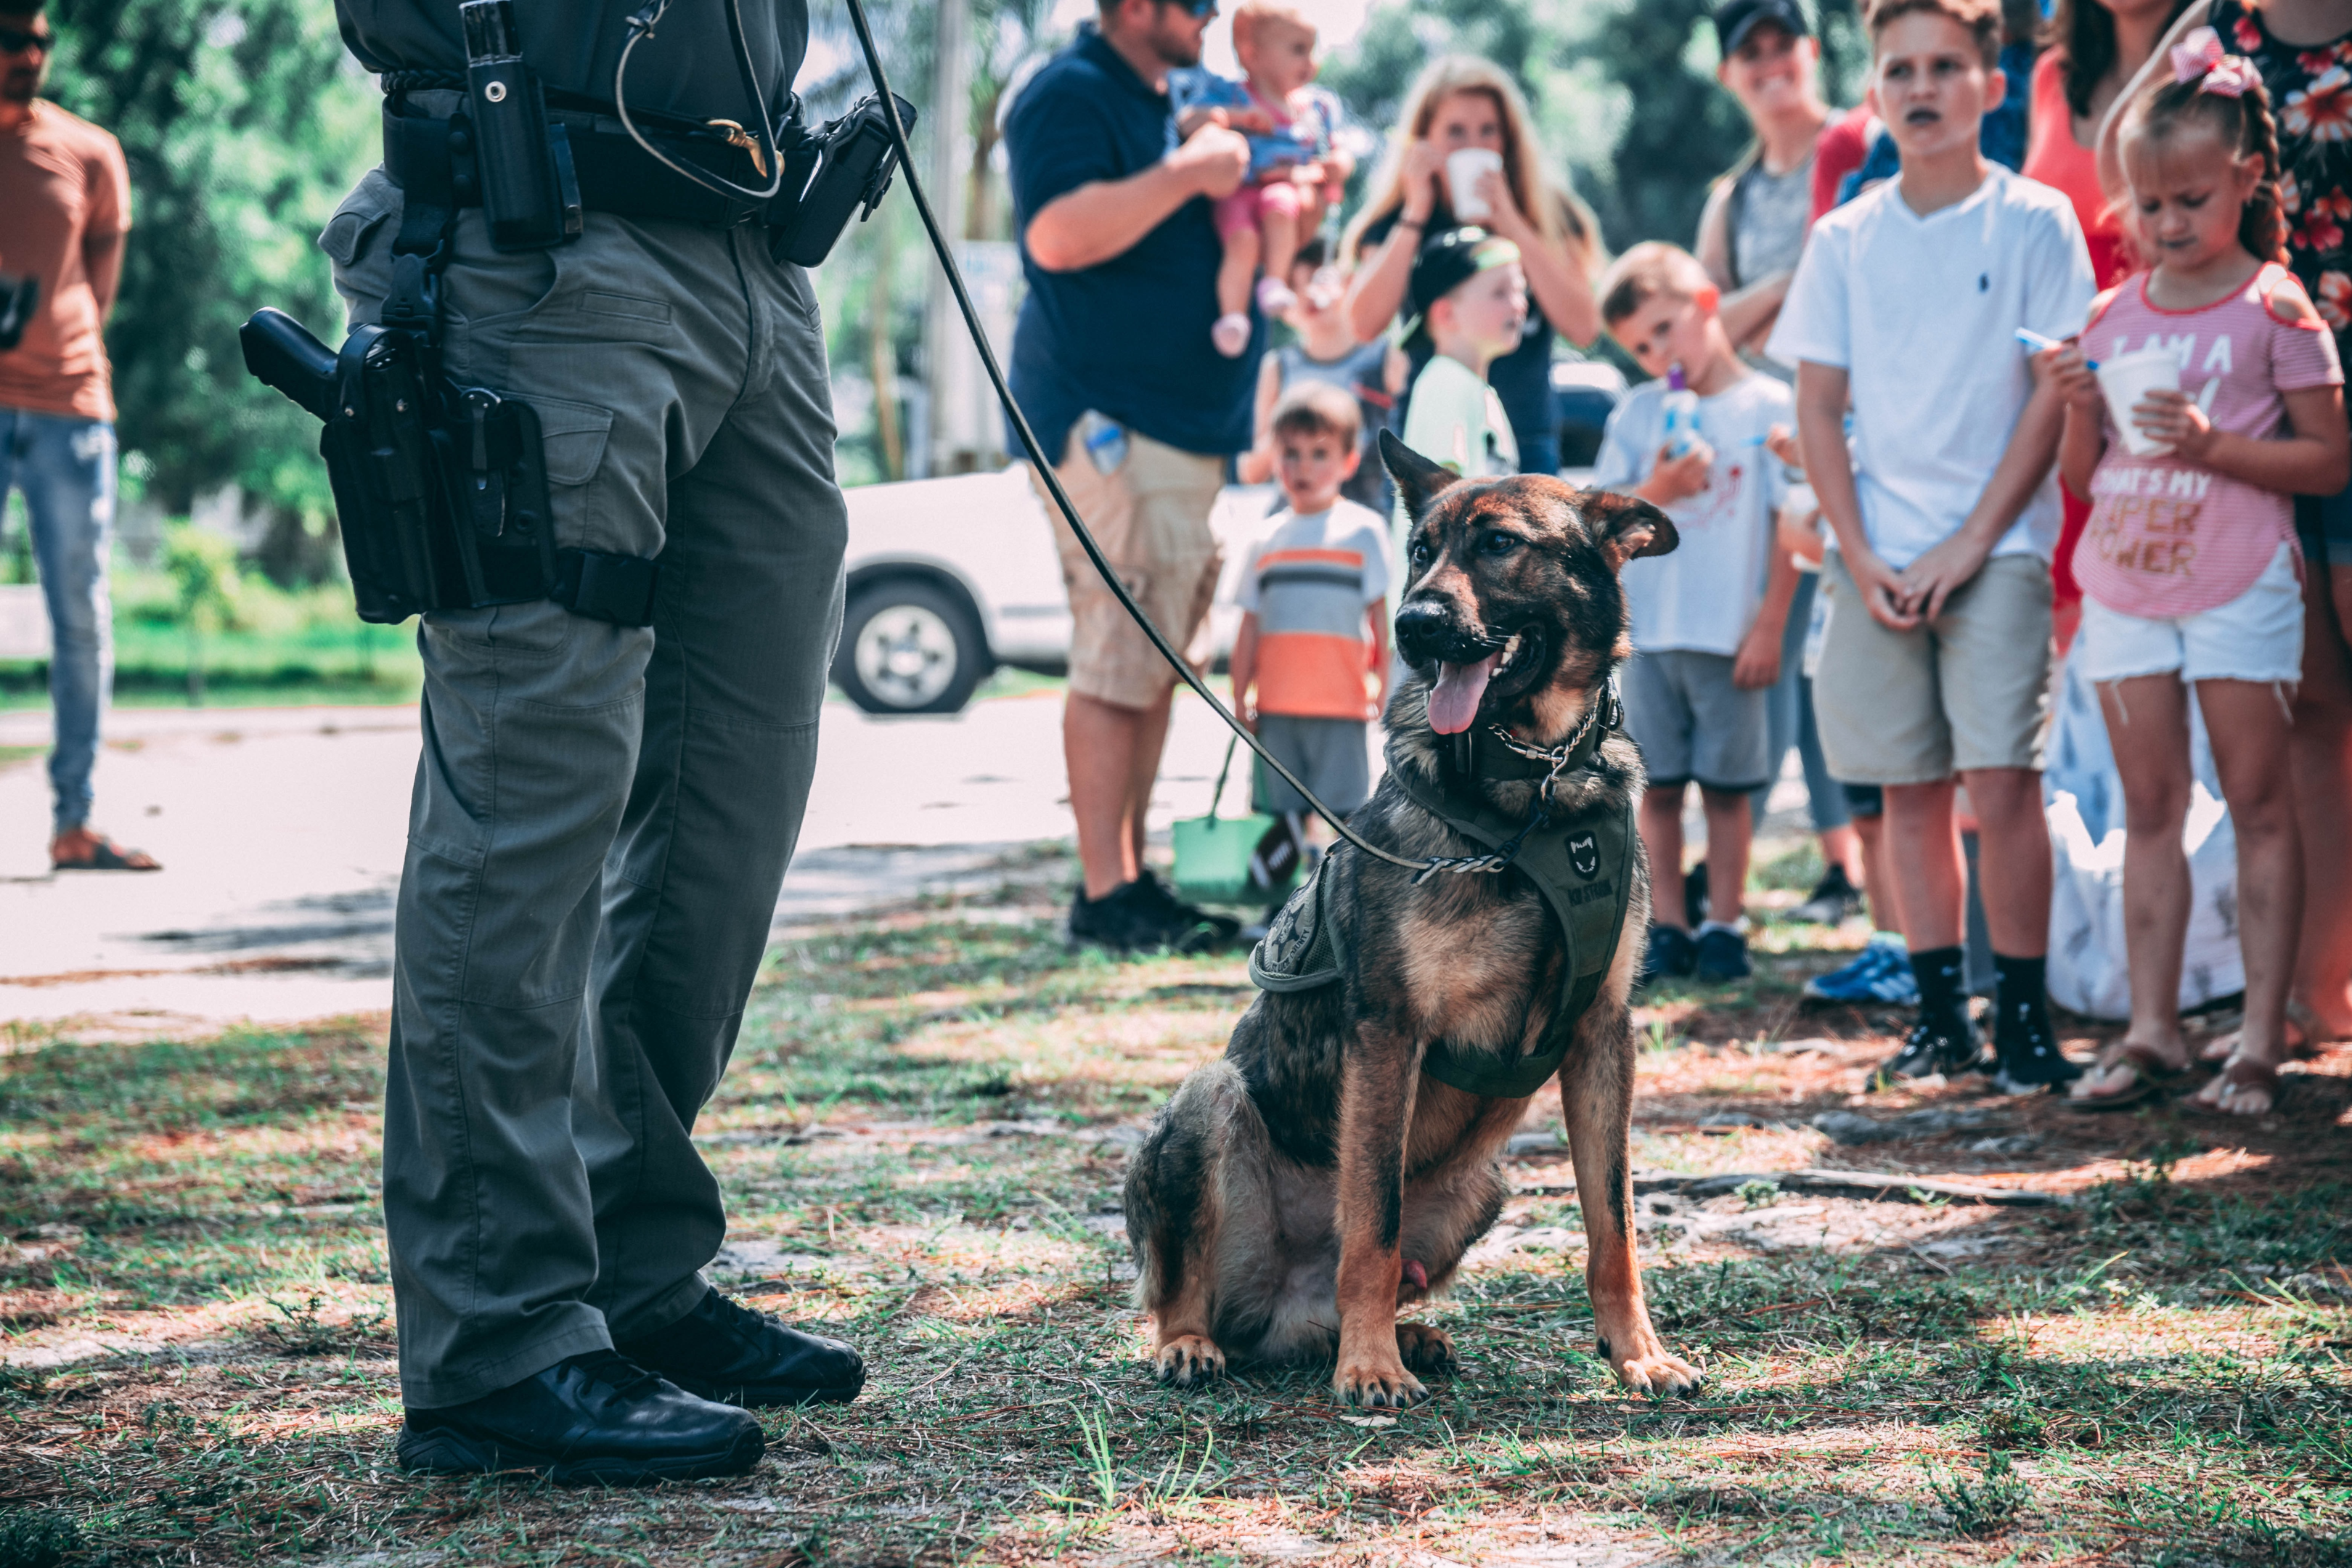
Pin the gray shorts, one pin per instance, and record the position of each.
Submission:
(1330, 754)
(1692, 722)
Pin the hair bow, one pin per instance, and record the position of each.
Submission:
(2201, 56)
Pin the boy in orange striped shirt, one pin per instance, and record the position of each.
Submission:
(1314, 599)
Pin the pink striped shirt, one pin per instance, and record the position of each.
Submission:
(2166, 537)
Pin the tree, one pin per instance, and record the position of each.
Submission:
(242, 125)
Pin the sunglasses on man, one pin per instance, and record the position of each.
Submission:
(1194, 7)
(13, 42)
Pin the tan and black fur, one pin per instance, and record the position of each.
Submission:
(1292, 1196)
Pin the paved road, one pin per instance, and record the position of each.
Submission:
(280, 832)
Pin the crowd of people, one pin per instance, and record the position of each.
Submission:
(2035, 356)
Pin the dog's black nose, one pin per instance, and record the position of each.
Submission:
(1420, 629)
(1428, 632)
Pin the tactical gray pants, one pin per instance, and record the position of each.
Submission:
(603, 814)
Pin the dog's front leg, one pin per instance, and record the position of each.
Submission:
(1377, 1083)
(1596, 1098)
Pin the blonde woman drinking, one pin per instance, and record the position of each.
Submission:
(1459, 104)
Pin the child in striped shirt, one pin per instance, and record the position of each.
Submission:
(1310, 665)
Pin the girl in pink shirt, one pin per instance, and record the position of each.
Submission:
(2189, 565)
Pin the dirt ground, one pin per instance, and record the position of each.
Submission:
(1979, 1329)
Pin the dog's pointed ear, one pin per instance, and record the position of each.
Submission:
(1626, 526)
(1418, 479)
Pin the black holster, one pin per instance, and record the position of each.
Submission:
(440, 488)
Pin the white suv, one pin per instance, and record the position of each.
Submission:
(950, 578)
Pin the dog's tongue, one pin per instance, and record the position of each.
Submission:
(1454, 700)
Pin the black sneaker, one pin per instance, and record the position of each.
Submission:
(725, 1351)
(1672, 954)
(1929, 1049)
(1218, 931)
(597, 1419)
(2029, 1059)
(1833, 900)
(1694, 896)
(1721, 954)
(1122, 920)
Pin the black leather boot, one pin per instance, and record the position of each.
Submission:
(595, 1419)
(723, 1351)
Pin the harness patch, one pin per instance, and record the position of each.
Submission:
(1584, 854)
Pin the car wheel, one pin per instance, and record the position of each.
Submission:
(908, 647)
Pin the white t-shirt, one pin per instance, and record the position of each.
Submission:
(1704, 594)
(1455, 419)
(1922, 313)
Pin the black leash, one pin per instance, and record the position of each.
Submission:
(1423, 869)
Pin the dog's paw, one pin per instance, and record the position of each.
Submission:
(1425, 1349)
(1377, 1383)
(1657, 1371)
(1189, 1359)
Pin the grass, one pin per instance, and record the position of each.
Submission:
(922, 1141)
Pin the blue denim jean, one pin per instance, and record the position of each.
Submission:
(65, 468)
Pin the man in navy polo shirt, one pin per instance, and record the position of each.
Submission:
(1114, 369)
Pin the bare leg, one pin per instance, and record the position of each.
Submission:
(1281, 231)
(2148, 725)
(1877, 876)
(1924, 864)
(1100, 744)
(2320, 749)
(1842, 848)
(1730, 831)
(1662, 841)
(1151, 741)
(2014, 858)
(2250, 749)
(1237, 271)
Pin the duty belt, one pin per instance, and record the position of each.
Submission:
(1582, 864)
(431, 159)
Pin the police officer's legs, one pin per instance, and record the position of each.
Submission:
(534, 726)
(750, 609)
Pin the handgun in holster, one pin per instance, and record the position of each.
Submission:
(441, 491)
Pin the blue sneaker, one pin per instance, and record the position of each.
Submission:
(1880, 972)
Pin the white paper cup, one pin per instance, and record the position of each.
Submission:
(1463, 171)
(2127, 380)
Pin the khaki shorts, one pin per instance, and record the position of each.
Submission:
(1150, 515)
(1970, 690)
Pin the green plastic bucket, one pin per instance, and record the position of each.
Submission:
(1212, 858)
(1213, 852)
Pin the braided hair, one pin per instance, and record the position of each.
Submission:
(2246, 125)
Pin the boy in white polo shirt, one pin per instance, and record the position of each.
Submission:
(1936, 667)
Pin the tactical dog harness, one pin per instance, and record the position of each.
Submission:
(1582, 864)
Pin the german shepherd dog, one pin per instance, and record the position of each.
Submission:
(1296, 1192)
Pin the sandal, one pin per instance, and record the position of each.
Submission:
(2150, 1074)
(2222, 1046)
(107, 856)
(2240, 1076)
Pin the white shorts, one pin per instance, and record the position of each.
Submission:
(2257, 636)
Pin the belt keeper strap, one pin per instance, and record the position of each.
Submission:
(615, 588)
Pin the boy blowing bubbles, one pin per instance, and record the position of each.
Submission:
(1709, 620)
(1935, 667)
